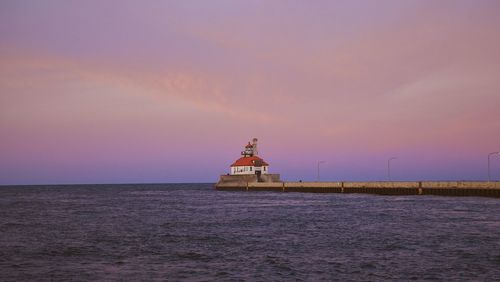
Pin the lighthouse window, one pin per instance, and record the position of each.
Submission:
(250, 168)
(264, 168)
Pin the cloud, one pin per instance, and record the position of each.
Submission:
(312, 78)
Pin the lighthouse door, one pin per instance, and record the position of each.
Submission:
(257, 172)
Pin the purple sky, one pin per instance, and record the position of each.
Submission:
(170, 91)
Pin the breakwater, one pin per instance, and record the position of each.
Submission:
(444, 188)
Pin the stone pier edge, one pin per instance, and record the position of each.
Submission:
(450, 188)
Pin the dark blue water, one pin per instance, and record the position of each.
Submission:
(192, 232)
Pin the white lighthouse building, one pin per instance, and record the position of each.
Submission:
(250, 163)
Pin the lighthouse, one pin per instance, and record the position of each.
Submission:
(249, 168)
(250, 163)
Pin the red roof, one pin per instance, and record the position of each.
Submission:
(250, 161)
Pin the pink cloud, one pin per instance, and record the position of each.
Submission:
(321, 80)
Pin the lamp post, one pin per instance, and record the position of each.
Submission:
(319, 162)
(389, 167)
(489, 156)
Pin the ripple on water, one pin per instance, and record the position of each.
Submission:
(191, 232)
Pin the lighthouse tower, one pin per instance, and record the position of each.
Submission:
(250, 163)
(249, 168)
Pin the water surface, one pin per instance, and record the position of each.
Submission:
(192, 232)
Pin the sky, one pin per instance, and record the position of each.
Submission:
(170, 91)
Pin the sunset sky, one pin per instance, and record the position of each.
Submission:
(170, 91)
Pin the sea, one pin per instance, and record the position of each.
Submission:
(191, 232)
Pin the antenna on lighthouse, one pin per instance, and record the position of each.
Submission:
(254, 144)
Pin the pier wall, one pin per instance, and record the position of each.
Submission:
(451, 188)
(242, 182)
(269, 178)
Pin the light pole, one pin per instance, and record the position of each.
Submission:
(319, 162)
(389, 167)
(489, 156)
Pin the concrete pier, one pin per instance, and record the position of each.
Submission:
(444, 188)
